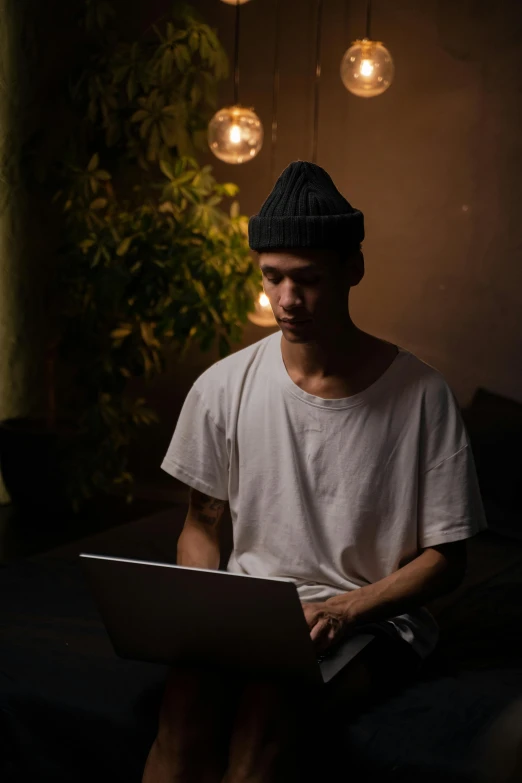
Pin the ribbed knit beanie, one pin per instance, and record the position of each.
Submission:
(306, 210)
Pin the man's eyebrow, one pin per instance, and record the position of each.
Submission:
(268, 268)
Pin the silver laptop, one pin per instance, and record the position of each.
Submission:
(172, 615)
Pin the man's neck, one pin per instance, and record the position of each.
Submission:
(333, 357)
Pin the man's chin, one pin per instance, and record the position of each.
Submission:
(297, 338)
(299, 332)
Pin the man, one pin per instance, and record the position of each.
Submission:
(347, 469)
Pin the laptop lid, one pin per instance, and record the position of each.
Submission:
(170, 614)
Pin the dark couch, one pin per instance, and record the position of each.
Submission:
(71, 711)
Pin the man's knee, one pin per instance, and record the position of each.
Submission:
(190, 703)
(270, 727)
(191, 742)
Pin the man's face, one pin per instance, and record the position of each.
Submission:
(309, 287)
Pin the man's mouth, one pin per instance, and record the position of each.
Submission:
(294, 324)
(295, 320)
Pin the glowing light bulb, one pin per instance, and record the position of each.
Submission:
(367, 68)
(262, 315)
(235, 134)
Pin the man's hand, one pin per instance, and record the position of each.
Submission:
(327, 622)
(435, 572)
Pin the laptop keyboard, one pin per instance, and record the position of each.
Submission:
(330, 651)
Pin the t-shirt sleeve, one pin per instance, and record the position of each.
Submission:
(450, 504)
(197, 454)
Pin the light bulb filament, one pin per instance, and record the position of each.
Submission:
(366, 68)
(235, 134)
(264, 300)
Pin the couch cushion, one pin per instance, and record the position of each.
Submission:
(70, 709)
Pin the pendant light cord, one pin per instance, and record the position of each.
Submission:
(319, 22)
(275, 94)
(369, 20)
(236, 55)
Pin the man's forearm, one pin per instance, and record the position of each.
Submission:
(198, 544)
(198, 547)
(420, 581)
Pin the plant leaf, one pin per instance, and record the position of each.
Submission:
(94, 162)
(145, 126)
(98, 203)
(230, 189)
(140, 115)
(121, 332)
(166, 168)
(124, 246)
(194, 41)
(154, 144)
(171, 111)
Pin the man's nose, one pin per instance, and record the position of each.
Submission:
(290, 296)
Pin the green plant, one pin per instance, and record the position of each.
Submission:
(151, 260)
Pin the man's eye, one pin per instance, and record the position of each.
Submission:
(306, 281)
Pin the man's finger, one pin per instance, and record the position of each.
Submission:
(311, 616)
(318, 630)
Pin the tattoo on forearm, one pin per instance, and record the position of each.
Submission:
(206, 519)
(206, 509)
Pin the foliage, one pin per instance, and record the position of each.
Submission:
(151, 259)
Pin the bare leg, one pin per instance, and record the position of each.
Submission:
(267, 734)
(193, 730)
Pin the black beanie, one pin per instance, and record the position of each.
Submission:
(305, 209)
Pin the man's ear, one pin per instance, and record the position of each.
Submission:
(355, 268)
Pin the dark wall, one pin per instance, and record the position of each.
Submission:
(435, 164)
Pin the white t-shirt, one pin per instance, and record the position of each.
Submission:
(333, 494)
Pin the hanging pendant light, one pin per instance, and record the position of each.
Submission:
(367, 67)
(235, 133)
(263, 314)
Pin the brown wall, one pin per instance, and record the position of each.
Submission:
(435, 164)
